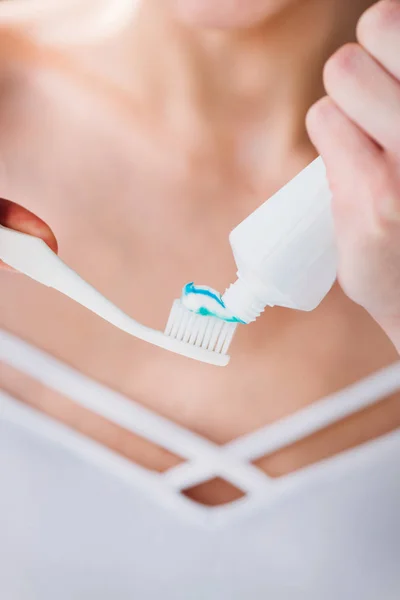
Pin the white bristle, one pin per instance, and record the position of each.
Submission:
(209, 333)
(215, 335)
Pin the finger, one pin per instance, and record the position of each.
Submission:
(16, 217)
(346, 149)
(366, 93)
(378, 30)
(357, 168)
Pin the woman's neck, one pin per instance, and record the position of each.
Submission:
(253, 87)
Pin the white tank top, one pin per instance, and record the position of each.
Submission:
(79, 522)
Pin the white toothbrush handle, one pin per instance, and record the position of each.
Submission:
(27, 254)
(33, 257)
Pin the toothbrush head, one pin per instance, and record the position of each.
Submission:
(206, 337)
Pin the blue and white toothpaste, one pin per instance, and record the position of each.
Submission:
(203, 300)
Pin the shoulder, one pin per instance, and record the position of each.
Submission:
(16, 47)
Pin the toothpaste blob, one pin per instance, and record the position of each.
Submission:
(205, 301)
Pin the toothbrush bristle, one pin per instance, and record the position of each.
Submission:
(205, 332)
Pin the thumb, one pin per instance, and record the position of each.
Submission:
(16, 217)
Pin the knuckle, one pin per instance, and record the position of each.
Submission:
(374, 21)
(343, 61)
(318, 111)
(387, 207)
(378, 180)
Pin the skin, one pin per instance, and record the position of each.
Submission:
(132, 169)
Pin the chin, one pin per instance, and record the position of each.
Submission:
(226, 14)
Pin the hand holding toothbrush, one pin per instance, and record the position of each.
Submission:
(356, 129)
(16, 217)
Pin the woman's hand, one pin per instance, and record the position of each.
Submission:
(16, 217)
(356, 129)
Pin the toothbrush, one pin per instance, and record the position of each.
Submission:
(286, 256)
(205, 339)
